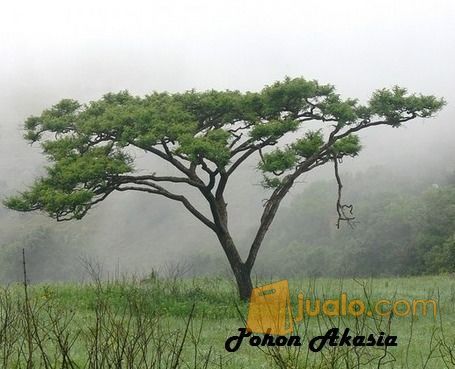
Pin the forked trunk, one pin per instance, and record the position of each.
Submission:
(242, 272)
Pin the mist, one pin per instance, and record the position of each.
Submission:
(52, 50)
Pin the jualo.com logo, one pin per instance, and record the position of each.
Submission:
(271, 320)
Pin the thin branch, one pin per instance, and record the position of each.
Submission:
(342, 208)
(158, 190)
(153, 177)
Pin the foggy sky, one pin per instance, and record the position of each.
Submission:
(82, 49)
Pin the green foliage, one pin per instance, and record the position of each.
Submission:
(343, 112)
(274, 129)
(90, 145)
(293, 96)
(393, 104)
(309, 144)
(218, 108)
(278, 161)
(73, 181)
(212, 146)
(441, 257)
(347, 146)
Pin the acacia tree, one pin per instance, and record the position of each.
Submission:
(204, 137)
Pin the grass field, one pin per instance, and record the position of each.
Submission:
(183, 323)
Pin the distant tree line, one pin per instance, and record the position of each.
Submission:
(398, 230)
(403, 226)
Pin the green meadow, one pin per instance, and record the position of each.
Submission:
(184, 323)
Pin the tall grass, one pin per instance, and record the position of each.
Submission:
(183, 323)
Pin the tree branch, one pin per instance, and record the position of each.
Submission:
(341, 208)
(153, 177)
(158, 190)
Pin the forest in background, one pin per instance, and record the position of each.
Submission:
(404, 226)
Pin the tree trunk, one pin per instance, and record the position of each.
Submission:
(244, 284)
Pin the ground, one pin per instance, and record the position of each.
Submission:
(184, 323)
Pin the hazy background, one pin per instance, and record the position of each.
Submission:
(59, 49)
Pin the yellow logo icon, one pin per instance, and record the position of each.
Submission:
(269, 310)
